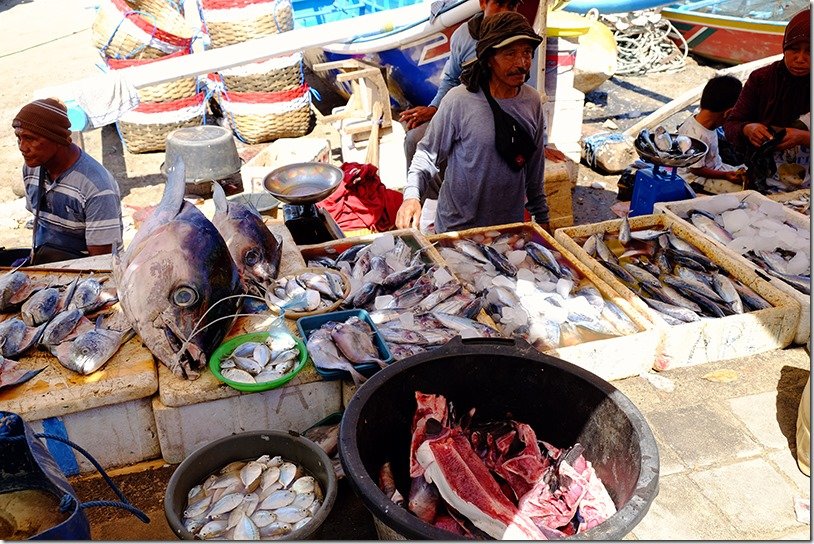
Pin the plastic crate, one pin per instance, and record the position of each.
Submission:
(307, 325)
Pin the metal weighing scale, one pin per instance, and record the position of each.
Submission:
(300, 186)
(659, 181)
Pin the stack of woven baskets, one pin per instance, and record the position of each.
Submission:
(266, 100)
(135, 32)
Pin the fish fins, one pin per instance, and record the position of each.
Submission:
(219, 198)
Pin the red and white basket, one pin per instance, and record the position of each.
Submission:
(146, 127)
(163, 92)
(140, 29)
(236, 21)
(262, 117)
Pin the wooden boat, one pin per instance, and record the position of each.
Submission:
(415, 53)
(733, 31)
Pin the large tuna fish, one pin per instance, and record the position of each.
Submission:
(175, 269)
(255, 250)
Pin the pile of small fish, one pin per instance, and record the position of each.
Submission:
(679, 283)
(760, 233)
(532, 292)
(401, 291)
(56, 318)
(261, 362)
(264, 499)
(341, 345)
(306, 292)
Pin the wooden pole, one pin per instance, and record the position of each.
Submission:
(247, 52)
(741, 71)
(540, 26)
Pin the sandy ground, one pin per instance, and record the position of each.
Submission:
(52, 45)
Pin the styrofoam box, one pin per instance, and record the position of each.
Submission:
(183, 429)
(115, 435)
(679, 209)
(611, 358)
(709, 339)
(563, 116)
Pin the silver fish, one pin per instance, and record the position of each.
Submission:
(500, 262)
(439, 295)
(15, 288)
(402, 336)
(662, 139)
(63, 325)
(472, 250)
(462, 324)
(354, 340)
(710, 227)
(89, 351)
(325, 355)
(677, 312)
(397, 279)
(750, 299)
(603, 251)
(726, 289)
(254, 249)
(645, 235)
(624, 231)
(170, 292)
(91, 296)
(40, 307)
(545, 258)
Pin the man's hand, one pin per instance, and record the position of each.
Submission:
(417, 116)
(736, 176)
(409, 214)
(554, 155)
(757, 133)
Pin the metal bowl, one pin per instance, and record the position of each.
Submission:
(670, 158)
(303, 182)
(208, 151)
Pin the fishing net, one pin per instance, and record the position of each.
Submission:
(646, 43)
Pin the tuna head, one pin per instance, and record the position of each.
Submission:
(170, 277)
(255, 250)
(177, 274)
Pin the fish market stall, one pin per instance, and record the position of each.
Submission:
(769, 317)
(758, 232)
(415, 303)
(191, 413)
(536, 290)
(108, 403)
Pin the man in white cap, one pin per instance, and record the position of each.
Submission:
(75, 200)
(491, 133)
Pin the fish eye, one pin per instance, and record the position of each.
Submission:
(85, 351)
(252, 257)
(184, 296)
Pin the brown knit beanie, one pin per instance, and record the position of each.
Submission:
(47, 117)
(798, 30)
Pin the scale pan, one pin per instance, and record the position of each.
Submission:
(670, 158)
(303, 182)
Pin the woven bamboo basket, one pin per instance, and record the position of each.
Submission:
(263, 117)
(274, 75)
(146, 128)
(246, 21)
(141, 29)
(163, 92)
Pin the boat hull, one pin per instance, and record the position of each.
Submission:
(728, 40)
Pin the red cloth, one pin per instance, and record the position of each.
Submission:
(362, 201)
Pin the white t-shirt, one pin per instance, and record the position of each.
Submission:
(692, 128)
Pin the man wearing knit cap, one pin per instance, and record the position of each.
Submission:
(490, 131)
(75, 200)
(776, 96)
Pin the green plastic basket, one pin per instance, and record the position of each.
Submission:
(226, 349)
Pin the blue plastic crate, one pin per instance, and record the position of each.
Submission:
(307, 325)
